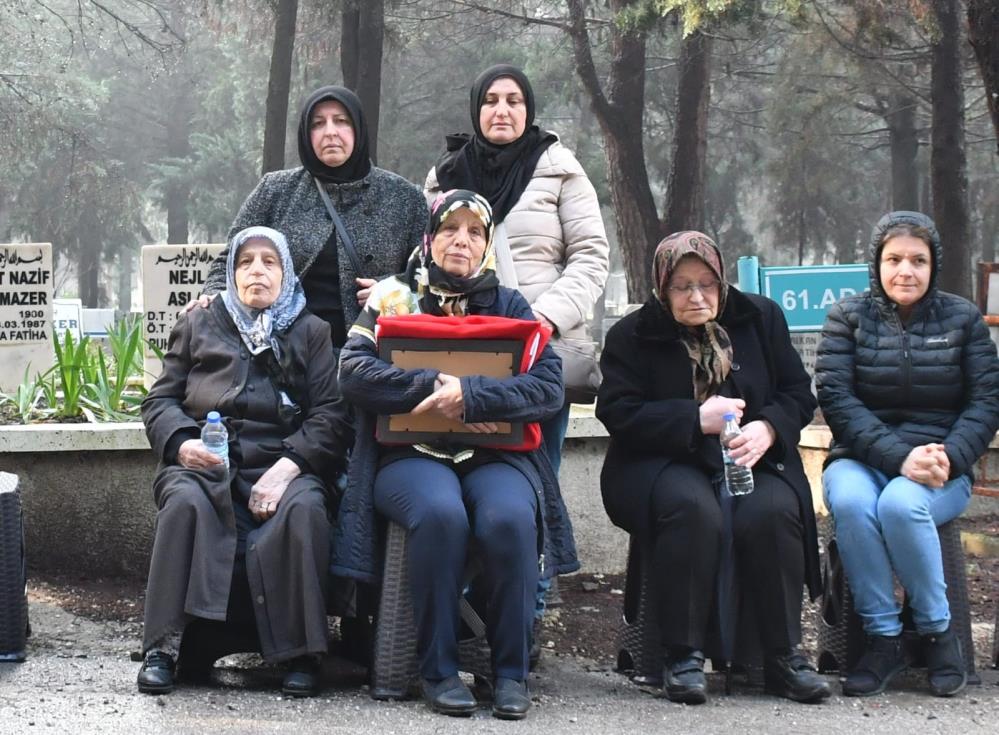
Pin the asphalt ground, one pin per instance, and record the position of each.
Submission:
(79, 678)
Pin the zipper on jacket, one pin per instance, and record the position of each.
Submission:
(906, 361)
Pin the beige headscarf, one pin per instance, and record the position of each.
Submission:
(708, 346)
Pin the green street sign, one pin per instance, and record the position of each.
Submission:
(806, 292)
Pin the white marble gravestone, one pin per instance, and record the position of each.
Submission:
(172, 276)
(26, 283)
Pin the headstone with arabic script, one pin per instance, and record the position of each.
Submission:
(172, 277)
(26, 284)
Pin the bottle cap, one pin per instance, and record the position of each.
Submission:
(727, 416)
(214, 417)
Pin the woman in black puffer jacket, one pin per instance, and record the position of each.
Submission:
(908, 381)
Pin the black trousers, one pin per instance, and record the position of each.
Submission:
(770, 565)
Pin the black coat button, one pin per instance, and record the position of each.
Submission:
(250, 388)
(780, 466)
(736, 367)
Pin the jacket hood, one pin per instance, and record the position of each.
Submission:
(874, 251)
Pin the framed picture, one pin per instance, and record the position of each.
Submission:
(494, 358)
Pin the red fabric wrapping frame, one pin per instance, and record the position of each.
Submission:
(427, 326)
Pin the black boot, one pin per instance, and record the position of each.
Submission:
(945, 663)
(787, 674)
(882, 659)
(449, 697)
(302, 679)
(156, 674)
(684, 676)
(510, 699)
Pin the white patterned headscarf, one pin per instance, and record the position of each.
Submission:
(257, 327)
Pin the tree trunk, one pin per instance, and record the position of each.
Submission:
(948, 163)
(619, 111)
(685, 191)
(88, 266)
(983, 33)
(178, 135)
(279, 85)
(125, 256)
(901, 121)
(361, 42)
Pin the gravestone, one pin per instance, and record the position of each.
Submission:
(67, 315)
(806, 343)
(172, 277)
(25, 311)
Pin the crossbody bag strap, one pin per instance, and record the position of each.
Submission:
(341, 229)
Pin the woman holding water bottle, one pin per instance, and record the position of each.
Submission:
(697, 351)
(242, 537)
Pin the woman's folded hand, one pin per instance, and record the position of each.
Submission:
(926, 466)
(447, 399)
(269, 489)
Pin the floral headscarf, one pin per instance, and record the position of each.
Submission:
(259, 327)
(708, 346)
(439, 292)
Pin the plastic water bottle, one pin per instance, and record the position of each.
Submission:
(215, 437)
(738, 478)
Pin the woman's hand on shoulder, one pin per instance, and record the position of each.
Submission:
(447, 398)
(928, 465)
(269, 489)
(203, 301)
(194, 456)
(713, 410)
(364, 286)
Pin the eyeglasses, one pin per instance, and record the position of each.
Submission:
(687, 290)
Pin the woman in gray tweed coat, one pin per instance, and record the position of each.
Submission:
(384, 214)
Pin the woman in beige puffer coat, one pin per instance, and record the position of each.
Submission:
(556, 246)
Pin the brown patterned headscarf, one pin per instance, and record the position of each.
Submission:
(708, 346)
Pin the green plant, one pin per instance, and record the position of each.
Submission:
(86, 380)
(71, 365)
(25, 397)
(108, 390)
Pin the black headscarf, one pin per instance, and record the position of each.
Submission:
(359, 164)
(499, 172)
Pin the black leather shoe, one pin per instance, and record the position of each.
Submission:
(156, 674)
(684, 680)
(302, 679)
(449, 697)
(510, 699)
(945, 663)
(882, 660)
(787, 674)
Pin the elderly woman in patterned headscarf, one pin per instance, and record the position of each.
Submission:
(697, 350)
(244, 545)
(447, 496)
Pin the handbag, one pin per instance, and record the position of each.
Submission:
(341, 230)
(580, 368)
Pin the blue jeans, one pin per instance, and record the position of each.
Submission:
(552, 435)
(885, 525)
